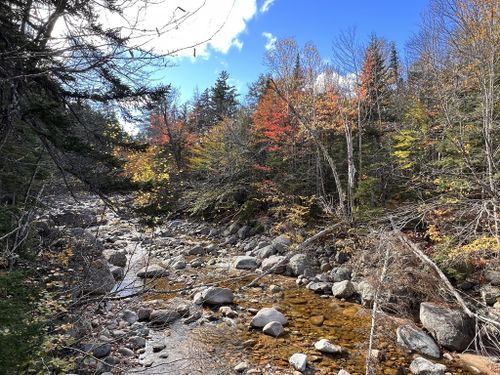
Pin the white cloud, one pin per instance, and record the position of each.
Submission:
(271, 40)
(345, 84)
(267, 4)
(168, 28)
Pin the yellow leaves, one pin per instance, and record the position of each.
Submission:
(147, 166)
(480, 246)
(434, 233)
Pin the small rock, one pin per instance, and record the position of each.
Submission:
(126, 352)
(118, 258)
(130, 316)
(267, 315)
(227, 311)
(317, 320)
(214, 296)
(275, 288)
(298, 361)
(320, 287)
(274, 329)
(151, 271)
(179, 263)
(245, 262)
(422, 366)
(101, 350)
(137, 342)
(117, 272)
(158, 347)
(325, 346)
(143, 314)
(241, 367)
(343, 372)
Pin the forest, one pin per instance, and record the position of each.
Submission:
(354, 198)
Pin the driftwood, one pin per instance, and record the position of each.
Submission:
(299, 248)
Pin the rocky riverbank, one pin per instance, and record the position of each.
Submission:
(175, 299)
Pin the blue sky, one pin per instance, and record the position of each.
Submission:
(239, 47)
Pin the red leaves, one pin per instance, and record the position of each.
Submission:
(272, 120)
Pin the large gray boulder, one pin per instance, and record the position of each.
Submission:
(450, 327)
(298, 264)
(422, 366)
(415, 339)
(266, 252)
(268, 315)
(151, 271)
(272, 262)
(281, 243)
(98, 278)
(343, 289)
(214, 296)
(367, 292)
(245, 262)
(341, 273)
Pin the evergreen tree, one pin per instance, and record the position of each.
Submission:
(223, 102)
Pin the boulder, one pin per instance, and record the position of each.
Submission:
(343, 372)
(273, 261)
(343, 289)
(325, 346)
(163, 316)
(450, 327)
(281, 243)
(298, 361)
(415, 339)
(267, 315)
(151, 271)
(367, 292)
(422, 366)
(341, 273)
(274, 329)
(214, 296)
(98, 279)
(118, 258)
(297, 264)
(245, 262)
(266, 252)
